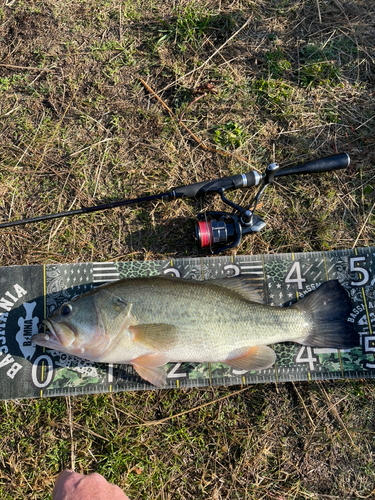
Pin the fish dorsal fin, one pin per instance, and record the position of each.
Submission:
(255, 358)
(149, 367)
(249, 287)
(155, 336)
(115, 312)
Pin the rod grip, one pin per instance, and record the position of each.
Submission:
(328, 164)
(213, 186)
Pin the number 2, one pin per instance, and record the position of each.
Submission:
(174, 374)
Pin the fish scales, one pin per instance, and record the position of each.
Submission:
(212, 321)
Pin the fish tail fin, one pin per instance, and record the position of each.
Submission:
(328, 308)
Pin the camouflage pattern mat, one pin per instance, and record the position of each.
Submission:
(30, 293)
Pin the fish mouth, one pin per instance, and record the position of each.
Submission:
(52, 337)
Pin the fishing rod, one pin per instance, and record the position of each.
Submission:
(215, 229)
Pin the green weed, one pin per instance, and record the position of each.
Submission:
(319, 73)
(192, 23)
(230, 135)
(122, 50)
(272, 93)
(6, 83)
(278, 64)
(318, 67)
(368, 189)
(340, 48)
(330, 114)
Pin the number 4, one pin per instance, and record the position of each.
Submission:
(296, 268)
(309, 358)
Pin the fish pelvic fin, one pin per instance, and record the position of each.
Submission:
(328, 308)
(258, 357)
(156, 376)
(155, 336)
(149, 367)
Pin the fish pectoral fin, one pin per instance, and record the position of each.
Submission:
(155, 336)
(256, 358)
(149, 367)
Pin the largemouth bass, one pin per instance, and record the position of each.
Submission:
(148, 322)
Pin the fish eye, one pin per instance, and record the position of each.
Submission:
(66, 309)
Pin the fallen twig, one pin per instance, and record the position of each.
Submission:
(207, 148)
(335, 414)
(364, 225)
(211, 56)
(162, 420)
(304, 406)
(29, 68)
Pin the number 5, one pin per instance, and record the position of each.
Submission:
(357, 269)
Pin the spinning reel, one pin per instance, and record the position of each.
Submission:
(216, 228)
(221, 230)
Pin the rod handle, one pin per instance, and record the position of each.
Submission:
(328, 164)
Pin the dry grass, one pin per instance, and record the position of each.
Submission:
(77, 128)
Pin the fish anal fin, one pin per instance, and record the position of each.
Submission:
(149, 367)
(255, 358)
(155, 336)
(250, 287)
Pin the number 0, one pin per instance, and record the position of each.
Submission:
(46, 371)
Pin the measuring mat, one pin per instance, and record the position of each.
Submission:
(30, 293)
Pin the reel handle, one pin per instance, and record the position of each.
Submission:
(328, 164)
(216, 185)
